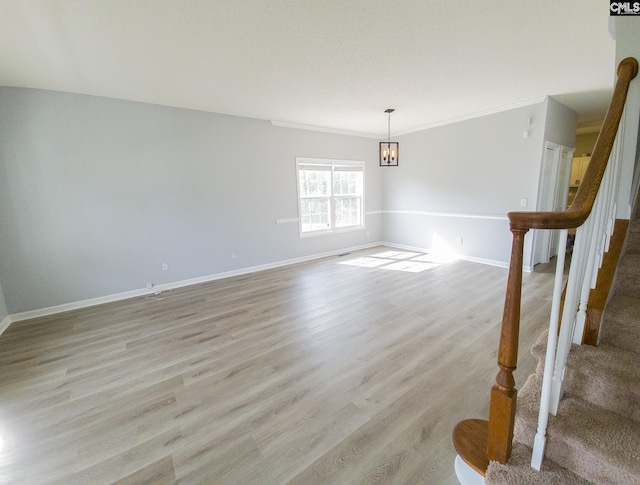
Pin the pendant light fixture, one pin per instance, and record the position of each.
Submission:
(389, 149)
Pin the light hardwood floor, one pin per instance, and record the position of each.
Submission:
(322, 372)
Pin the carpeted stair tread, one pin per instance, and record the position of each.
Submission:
(594, 443)
(621, 326)
(594, 374)
(628, 275)
(519, 471)
(633, 243)
(539, 349)
(633, 237)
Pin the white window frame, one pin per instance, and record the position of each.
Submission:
(332, 166)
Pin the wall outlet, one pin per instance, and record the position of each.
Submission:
(165, 267)
(233, 255)
(523, 202)
(459, 240)
(149, 286)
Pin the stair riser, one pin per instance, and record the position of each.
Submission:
(598, 391)
(627, 286)
(625, 340)
(590, 378)
(628, 275)
(572, 455)
(593, 443)
(621, 326)
(519, 471)
(633, 245)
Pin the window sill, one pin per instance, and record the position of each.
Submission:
(309, 234)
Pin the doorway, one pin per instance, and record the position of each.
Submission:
(552, 196)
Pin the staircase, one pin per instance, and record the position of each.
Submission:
(595, 436)
(577, 419)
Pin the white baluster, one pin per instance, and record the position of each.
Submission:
(581, 317)
(591, 265)
(543, 416)
(574, 285)
(604, 221)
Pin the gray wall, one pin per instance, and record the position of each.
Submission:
(628, 45)
(561, 124)
(585, 144)
(3, 306)
(479, 167)
(97, 193)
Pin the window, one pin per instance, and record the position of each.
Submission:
(330, 195)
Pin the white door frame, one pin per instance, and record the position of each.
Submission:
(552, 195)
(562, 191)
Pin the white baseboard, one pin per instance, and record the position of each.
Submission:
(75, 305)
(52, 310)
(4, 324)
(490, 262)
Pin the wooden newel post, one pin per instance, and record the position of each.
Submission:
(502, 410)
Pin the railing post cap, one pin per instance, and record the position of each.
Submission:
(631, 62)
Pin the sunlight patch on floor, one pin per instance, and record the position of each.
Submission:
(411, 266)
(396, 255)
(410, 262)
(368, 262)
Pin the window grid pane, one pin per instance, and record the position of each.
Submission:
(330, 196)
(315, 214)
(314, 183)
(348, 211)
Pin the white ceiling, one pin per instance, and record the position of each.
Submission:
(329, 63)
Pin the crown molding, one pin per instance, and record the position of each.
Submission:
(449, 121)
(470, 116)
(323, 129)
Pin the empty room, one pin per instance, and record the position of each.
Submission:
(286, 241)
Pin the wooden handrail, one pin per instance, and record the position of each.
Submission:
(581, 207)
(496, 436)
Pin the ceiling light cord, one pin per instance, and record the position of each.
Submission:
(389, 111)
